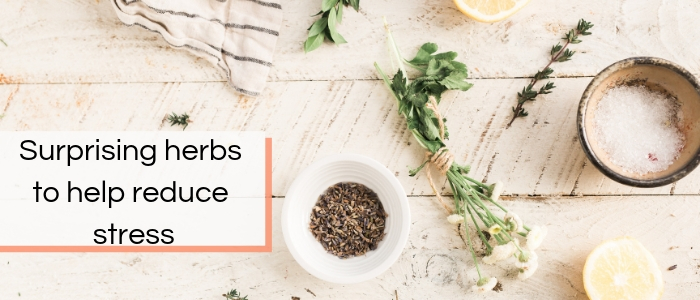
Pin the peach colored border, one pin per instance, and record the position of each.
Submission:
(266, 248)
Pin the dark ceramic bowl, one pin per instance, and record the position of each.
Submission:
(659, 75)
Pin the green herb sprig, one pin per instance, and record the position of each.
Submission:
(179, 120)
(473, 200)
(558, 53)
(326, 27)
(3, 42)
(234, 295)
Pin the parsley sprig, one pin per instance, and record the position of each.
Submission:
(440, 72)
(558, 53)
(326, 27)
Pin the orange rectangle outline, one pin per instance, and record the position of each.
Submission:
(265, 248)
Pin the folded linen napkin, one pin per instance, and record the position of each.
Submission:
(237, 35)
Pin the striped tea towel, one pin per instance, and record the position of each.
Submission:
(237, 35)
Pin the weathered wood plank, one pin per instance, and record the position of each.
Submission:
(82, 40)
(434, 265)
(539, 155)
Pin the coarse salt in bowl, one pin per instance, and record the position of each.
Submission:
(305, 191)
(653, 79)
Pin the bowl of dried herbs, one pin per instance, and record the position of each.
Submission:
(346, 219)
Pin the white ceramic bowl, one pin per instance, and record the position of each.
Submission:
(302, 196)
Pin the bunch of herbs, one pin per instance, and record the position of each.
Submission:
(474, 201)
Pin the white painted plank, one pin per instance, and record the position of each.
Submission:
(82, 40)
(539, 155)
(434, 265)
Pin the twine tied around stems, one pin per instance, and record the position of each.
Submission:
(442, 159)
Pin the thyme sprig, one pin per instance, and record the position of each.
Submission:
(558, 53)
(234, 295)
(474, 201)
(179, 120)
(326, 27)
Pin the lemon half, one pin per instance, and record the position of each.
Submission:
(622, 269)
(490, 10)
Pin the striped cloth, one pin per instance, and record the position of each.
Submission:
(237, 35)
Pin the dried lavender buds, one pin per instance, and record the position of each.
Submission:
(348, 220)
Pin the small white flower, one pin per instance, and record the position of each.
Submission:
(455, 219)
(484, 285)
(536, 236)
(501, 252)
(526, 271)
(513, 221)
(495, 229)
(526, 259)
(497, 190)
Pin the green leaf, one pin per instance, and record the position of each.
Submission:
(433, 68)
(340, 14)
(424, 54)
(417, 99)
(432, 132)
(339, 39)
(326, 5)
(446, 55)
(460, 67)
(415, 171)
(332, 21)
(318, 27)
(456, 82)
(555, 49)
(319, 13)
(355, 4)
(313, 42)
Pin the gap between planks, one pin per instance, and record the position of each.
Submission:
(270, 81)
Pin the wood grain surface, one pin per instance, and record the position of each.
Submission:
(71, 65)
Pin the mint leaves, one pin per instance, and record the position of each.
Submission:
(439, 73)
(326, 27)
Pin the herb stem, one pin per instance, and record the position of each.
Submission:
(558, 53)
(395, 50)
(481, 184)
(519, 108)
(471, 248)
(481, 234)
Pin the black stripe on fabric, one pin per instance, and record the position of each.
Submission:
(241, 58)
(268, 4)
(227, 25)
(228, 78)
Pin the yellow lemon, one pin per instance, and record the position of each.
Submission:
(490, 10)
(622, 269)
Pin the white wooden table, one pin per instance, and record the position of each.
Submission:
(71, 65)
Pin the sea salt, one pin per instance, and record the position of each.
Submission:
(638, 128)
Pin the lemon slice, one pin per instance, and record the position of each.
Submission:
(490, 10)
(622, 269)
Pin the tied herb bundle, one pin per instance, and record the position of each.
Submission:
(558, 53)
(475, 203)
(326, 27)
